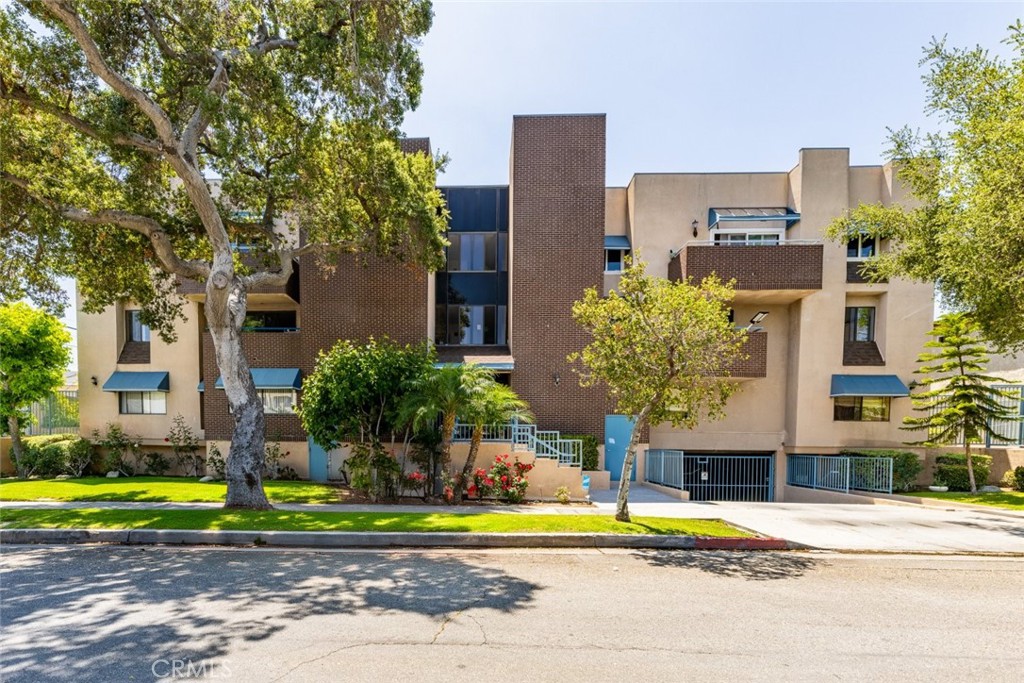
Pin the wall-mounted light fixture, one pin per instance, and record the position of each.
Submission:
(757, 319)
(94, 380)
(557, 379)
(694, 226)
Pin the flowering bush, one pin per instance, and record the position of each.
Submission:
(414, 481)
(506, 480)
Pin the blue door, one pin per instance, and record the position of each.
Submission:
(317, 462)
(617, 431)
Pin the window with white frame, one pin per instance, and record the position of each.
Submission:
(142, 402)
(277, 401)
(615, 259)
(760, 238)
(860, 248)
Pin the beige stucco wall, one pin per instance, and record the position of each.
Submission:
(100, 339)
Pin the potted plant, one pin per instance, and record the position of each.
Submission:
(938, 484)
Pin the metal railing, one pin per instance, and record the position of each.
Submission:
(713, 477)
(55, 414)
(839, 473)
(545, 444)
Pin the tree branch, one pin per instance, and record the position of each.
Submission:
(141, 142)
(199, 121)
(143, 225)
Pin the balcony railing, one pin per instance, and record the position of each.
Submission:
(545, 444)
(791, 265)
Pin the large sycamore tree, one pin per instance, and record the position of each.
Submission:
(663, 349)
(143, 141)
(964, 225)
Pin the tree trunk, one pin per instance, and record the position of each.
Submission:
(17, 450)
(970, 465)
(467, 469)
(447, 431)
(622, 503)
(225, 313)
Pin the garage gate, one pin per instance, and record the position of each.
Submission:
(714, 476)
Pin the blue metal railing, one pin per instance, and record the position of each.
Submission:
(713, 477)
(545, 444)
(839, 473)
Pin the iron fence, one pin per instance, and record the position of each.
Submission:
(56, 414)
(839, 473)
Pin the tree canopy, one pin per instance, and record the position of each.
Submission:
(964, 226)
(34, 353)
(144, 143)
(663, 349)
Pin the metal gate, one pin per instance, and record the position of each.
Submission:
(706, 477)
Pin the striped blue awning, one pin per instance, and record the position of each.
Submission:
(268, 378)
(138, 381)
(616, 242)
(868, 385)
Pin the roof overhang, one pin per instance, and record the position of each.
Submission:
(868, 385)
(720, 217)
(138, 381)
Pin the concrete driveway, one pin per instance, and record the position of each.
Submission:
(886, 527)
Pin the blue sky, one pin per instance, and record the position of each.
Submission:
(686, 86)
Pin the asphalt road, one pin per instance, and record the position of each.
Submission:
(138, 614)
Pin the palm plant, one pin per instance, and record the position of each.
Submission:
(446, 392)
(495, 404)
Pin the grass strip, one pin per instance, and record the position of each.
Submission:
(282, 520)
(156, 490)
(1010, 500)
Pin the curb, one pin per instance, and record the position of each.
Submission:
(364, 539)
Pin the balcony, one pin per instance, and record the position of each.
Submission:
(756, 363)
(287, 294)
(770, 273)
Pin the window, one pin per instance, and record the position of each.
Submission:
(472, 325)
(614, 259)
(748, 238)
(270, 321)
(861, 408)
(277, 401)
(135, 331)
(860, 248)
(860, 324)
(143, 402)
(470, 251)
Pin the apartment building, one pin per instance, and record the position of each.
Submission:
(830, 355)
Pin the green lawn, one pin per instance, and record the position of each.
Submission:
(1011, 500)
(277, 520)
(156, 489)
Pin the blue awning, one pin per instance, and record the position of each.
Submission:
(269, 378)
(616, 242)
(868, 385)
(138, 381)
(717, 216)
(497, 366)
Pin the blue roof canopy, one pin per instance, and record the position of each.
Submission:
(138, 381)
(719, 216)
(868, 385)
(616, 242)
(497, 366)
(269, 378)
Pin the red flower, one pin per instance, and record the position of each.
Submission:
(504, 479)
(488, 481)
(166, 439)
(472, 490)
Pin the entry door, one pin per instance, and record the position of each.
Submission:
(317, 462)
(617, 431)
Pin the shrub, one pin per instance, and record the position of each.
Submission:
(215, 461)
(413, 482)
(906, 466)
(563, 495)
(120, 448)
(185, 445)
(155, 463)
(951, 471)
(42, 461)
(373, 471)
(79, 456)
(47, 439)
(590, 453)
(508, 479)
(1018, 478)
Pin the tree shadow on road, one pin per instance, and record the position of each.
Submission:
(748, 565)
(108, 613)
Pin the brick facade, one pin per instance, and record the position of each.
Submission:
(756, 363)
(557, 236)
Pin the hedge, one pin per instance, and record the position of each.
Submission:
(53, 454)
(589, 449)
(951, 471)
(905, 465)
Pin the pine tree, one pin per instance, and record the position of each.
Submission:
(965, 403)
